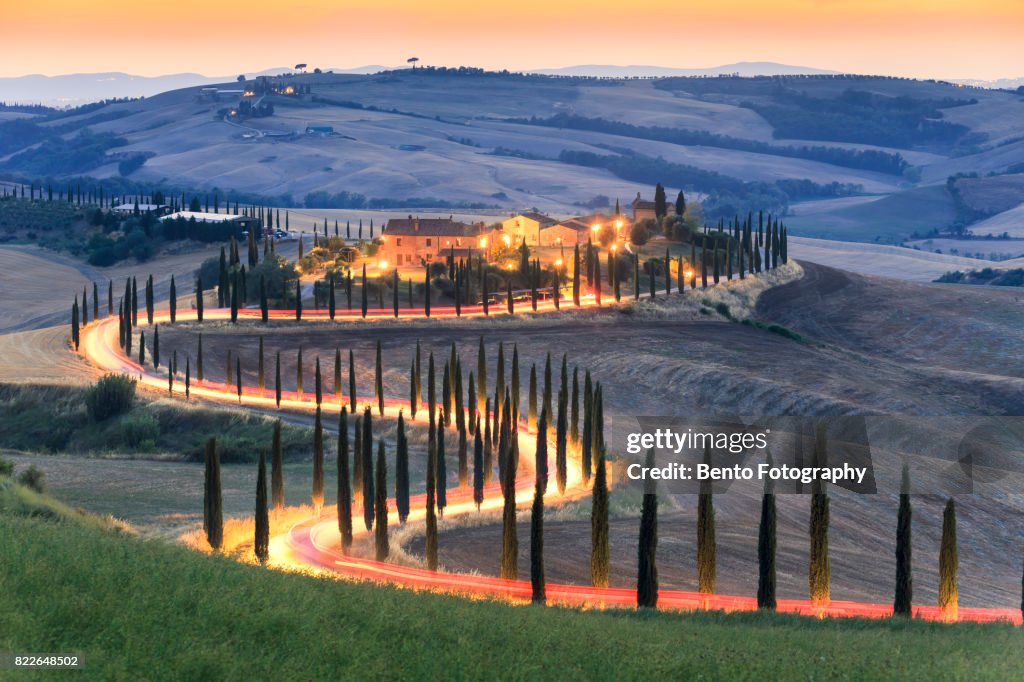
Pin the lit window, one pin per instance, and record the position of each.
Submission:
(398, 242)
(429, 243)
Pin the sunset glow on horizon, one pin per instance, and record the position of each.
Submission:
(917, 38)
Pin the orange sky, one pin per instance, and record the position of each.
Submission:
(923, 38)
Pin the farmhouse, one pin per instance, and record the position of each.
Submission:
(526, 227)
(414, 241)
(577, 230)
(643, 209)
(130, 208)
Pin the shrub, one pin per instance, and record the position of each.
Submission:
(6, 467)
(640, 233)
(110, 396)
(140, 431)
(33, 478)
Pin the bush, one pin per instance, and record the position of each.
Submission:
(110, 396)
(140, 431)
(33, 478)
(640, 233)
(6, 467)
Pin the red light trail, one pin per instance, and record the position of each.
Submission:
(314, 542)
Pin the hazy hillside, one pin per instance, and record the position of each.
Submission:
(460, 138)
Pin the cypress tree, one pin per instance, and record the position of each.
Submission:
(298, 375)
(531, 414)
(238, 378)
(199, 355)
(199, 298)
(636, 276)
(499, 378)
(394, 294)
(647, 568)
(402, 472)
(948, 564)
(213, 516)
(318, 464)
(330, 297)
(903, 601)
(348, 290)
(357, 460)
(576, 276)
(546, 405)
(110, 297)
(481, 376)
(463, 457)
(381, 507)
(363, 302)
(766, 548)
(488, 444)
(337, 375)
(261, 379)
(478, 466)
(234, 298)
(298, 300)
(368, 478)
(135, 303)
(264, 305)
(174, 301)
(413, 397)
(276, 468)
(277, 378)
(95, 301)
(509, 539)
(445, 417)
(587, 439)
(460, 408)
(261, 543)
(426, 292)
(706, 533)
(574, 408)
(650, 279)
(442, 472)
(471, 404)
(431, 517)
(149, 299)
(318, 388)
(75, 336)
(352, 380)
(142, 347)
(156, 347)
(188, 376)
(344, 483)
(515, 379)
(599, 549)
(537, 542)
(820, 574)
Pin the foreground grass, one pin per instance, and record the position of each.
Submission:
(144, 609)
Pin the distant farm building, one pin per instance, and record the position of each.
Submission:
(243, 223)
(413, 241)
(321, 130)
(131, 208)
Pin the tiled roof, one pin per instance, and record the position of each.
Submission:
(431, 227)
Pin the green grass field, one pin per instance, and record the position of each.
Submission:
(144, 609)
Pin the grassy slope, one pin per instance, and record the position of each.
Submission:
(145, 609)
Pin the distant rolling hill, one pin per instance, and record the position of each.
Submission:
(510, 141)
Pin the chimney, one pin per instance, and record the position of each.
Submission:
(416, 225)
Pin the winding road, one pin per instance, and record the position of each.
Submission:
(314, 542)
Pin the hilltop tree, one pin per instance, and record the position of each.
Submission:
(344, 483)
(660, 202)
(402, 471)
(706, 533)
(766, 547)
(948, 564)
(647, 568)
(213, 514)
(903, 601)
(381, 507)
(261, 543)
